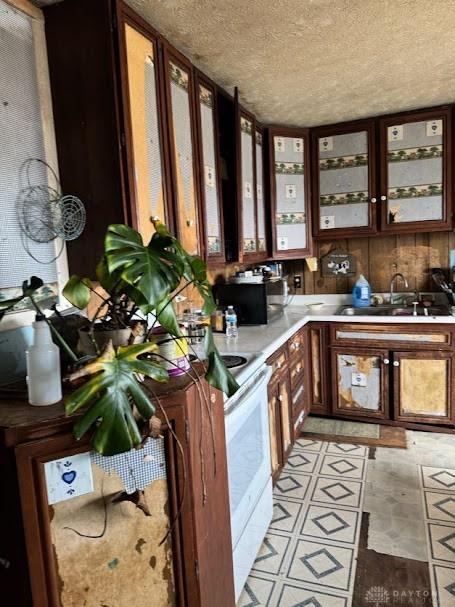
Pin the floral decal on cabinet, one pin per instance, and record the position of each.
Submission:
(214, 244)
(246, 126)
(179, 76)
(343, 198)
(288, 168)
(422, 153)
(249, 245)
(290, 218)
(416, 191)
(205, 97)
(343, 162)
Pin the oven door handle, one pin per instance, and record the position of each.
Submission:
(253, 385)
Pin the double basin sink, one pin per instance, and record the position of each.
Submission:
(393, 310)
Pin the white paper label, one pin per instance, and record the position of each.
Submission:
(395, 133)
(327, 222)
(282, 243)
(326, 144)
(248, 190)
(434, 127)
(209, 176)
(291, 191)
(358, 379)
(68, 477)
(259, 191)
(298, 144)
(279, 144)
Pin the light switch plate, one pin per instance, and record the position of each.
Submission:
(68, 477)
(327, 222)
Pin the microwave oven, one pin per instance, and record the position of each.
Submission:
(254, 303)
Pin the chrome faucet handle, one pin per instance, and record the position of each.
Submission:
(415, 304)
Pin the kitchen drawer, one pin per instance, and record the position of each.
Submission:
(296, 344)
(296, 372)
(278, 362)
(421, 337)
(298, 398)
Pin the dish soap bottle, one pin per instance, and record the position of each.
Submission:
(361, 293)
(44, 382)
(231, 322)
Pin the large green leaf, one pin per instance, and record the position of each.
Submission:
(77, 291)
(28, 288)
(218, 375)
(151, 270)
(108, 395)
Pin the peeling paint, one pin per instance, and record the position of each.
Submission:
(113, 564)
(139, 544)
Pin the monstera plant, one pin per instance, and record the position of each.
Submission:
(138, 281)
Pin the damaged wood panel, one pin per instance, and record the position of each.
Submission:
(126, 565)
(378, 336)
(423, 387)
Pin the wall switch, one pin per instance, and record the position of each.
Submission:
(297, 281)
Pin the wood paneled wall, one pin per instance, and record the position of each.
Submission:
(378, 258)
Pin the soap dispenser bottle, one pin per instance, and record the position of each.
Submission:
(44, 382)
(361, 293)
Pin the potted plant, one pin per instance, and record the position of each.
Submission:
(140, 284)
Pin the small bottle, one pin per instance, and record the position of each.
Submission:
(231, 322)
(361, 293)
(44, 382)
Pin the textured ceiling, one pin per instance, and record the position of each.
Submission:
(309, 62)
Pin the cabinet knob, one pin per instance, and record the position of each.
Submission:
(298, 368)
(280, 398)
(383, 198)
(279, 365)
(396, 363)
(386, 361)
(212, 398)
(373, 200)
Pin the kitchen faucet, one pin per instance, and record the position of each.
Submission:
(392, 282)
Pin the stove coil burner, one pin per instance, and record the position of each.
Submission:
(231, 361)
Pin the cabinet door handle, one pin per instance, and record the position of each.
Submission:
(383, 198)
(373, 200)
(396, 363)
(386, 361)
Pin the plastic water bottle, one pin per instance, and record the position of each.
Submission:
(231, 323)
(44, 382)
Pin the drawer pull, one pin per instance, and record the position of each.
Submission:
(396, 363)
(386, 361)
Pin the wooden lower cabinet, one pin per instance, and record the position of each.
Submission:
(318, 361)
(360, 382)
(423, 386)
(99, 547)
(280, 421)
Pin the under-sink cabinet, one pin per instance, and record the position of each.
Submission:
(397, 373)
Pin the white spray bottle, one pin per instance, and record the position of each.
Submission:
(44, 382)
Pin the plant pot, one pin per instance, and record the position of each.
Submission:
(119, 337)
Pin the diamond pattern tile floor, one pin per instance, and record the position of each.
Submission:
(309, 555)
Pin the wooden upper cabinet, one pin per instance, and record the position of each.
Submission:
(344, 180)
(179, 86)
(144, 122)
(209, 168)
(251, 232)
(290, 192)
(416, 173)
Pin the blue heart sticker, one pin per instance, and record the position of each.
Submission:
(68, 477)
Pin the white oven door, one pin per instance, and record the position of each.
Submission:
(248, 450)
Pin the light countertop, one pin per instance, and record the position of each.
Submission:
(266, 339)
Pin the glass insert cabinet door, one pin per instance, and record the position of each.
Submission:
(247, 194)
(290, 192)
(144, 129)
(423, 386)
(344, 180)
(415, 187)
(179, 89)
(260, 197)
(360, 381)
(209, 169)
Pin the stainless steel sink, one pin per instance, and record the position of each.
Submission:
(392, 310)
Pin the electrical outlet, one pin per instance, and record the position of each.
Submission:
(297, 281)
